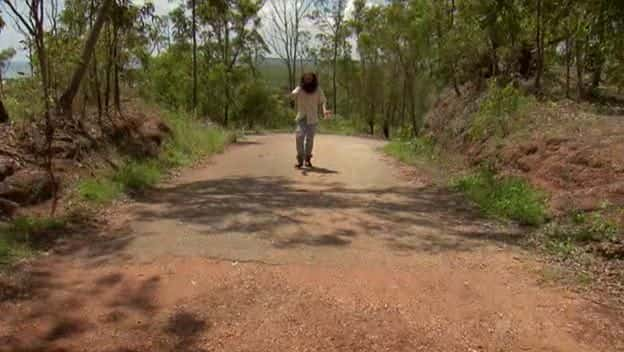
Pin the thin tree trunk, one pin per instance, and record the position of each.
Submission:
(599, 57)
(455, 82)
(96, 87)
(109, 68)
(68, 97)
(45, 81)
(540, 46)
(580, 86)
(226, 59)
(597, 76)
(334, 82)
(194, 32)
(116, 88)
(31, 59)
(94, 73)
(568, 65)
(4, 115)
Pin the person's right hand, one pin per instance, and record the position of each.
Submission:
(327, 114)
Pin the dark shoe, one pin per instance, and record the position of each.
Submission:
(299, 164)
(308, 163)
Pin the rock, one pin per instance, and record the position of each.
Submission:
(154, 129)
(7, 167)
(141, 136)
(64, 149)
(556, 141)
(8, 207)
(617, 188)
(611, 250)
(525, 164)
(27, 186)
(529, 149)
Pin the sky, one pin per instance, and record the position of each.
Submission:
(10, 38)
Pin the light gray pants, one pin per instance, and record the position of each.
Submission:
(305, 139)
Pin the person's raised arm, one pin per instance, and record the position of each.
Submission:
(295, 92)
(326, 112)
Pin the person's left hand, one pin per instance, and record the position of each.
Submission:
(327, 114)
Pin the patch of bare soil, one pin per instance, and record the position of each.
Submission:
(248, 254)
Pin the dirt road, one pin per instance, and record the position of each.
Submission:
(248, 254)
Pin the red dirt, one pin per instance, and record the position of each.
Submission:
(575, 155)
(247, 254)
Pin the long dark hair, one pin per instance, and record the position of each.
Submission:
(309, 87)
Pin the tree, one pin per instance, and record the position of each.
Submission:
(194, 35)
(331, 20)
(285, 30)
(68, 96)
(4, 115)
(33, 24)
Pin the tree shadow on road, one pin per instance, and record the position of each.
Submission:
(405, 218)
(287, 215)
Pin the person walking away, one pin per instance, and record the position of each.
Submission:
(308, 96)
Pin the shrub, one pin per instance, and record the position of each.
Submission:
(508, 197)
(137, 175)
(497, 111)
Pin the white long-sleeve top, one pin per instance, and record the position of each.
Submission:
(307, 104)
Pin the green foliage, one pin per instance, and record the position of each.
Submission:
(584, 228)
(507, 197)
(259, 107)
(566, 240)
(167, 79)
(18, 99)
(24, 228)
(498, 111)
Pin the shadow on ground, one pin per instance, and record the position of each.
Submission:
(291, 214)
(288, 215)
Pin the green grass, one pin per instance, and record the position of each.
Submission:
(99, 190)
(137, 175)
(505, 197)
(20, 237)
(191, 140)
(340, 125)
(412, 151)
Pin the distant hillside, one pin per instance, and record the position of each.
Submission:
(17, 69)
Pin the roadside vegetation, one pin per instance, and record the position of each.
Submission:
(23, 236)
(191, 140)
